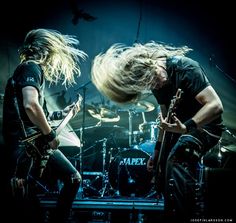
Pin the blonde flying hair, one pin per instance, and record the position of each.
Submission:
(56, 53)
(122, 73)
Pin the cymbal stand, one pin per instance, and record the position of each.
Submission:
(143, 116)
(105, 180)
(80, 191)
(131, 112)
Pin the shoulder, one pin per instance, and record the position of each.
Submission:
(28, 73)
(30, 65)
(183, 62)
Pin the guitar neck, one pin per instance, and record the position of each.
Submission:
(68, 117)
(64, 122)
(168, 118)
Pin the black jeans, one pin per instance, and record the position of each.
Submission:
(58, 167)
(183, 193)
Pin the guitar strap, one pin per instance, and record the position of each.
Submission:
(29, 150)
(17, 108)
(19, 186)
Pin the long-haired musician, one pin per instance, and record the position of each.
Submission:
(45, 55)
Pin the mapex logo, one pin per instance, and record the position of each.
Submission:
(133, 161)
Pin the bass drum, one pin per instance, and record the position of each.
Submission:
(128, 173)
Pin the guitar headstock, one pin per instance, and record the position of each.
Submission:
(79, 99)
(178, 94)
(175, 100)
(77, 104)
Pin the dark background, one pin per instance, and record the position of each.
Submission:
(207, 27)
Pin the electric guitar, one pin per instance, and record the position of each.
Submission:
(158, 169)
(35, 144)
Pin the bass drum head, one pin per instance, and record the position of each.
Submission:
(128, 173)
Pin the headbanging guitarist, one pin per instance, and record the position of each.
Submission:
(123, 73)
(46, 55)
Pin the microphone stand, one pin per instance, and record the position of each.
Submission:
(83, 87)
(213, 64)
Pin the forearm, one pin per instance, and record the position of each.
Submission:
(212, 107)
(207, 113)
(38, 118)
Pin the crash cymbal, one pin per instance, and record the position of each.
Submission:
(103, 114)
(140, 106)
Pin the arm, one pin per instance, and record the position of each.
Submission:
(35, 112)
(212, 108)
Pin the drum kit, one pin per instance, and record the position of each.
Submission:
(124, 152)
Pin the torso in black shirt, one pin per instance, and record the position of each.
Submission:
(189, 76)
(26, 74)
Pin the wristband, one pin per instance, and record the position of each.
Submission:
(49, 137)
(158, 145)
(190, 125)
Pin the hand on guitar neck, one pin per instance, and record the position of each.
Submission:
(74, 108)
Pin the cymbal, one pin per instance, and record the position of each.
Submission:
(140, 106)
(103, 114)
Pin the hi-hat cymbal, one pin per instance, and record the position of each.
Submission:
(140, 106)
(103, 114)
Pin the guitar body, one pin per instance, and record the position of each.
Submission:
(37, 147)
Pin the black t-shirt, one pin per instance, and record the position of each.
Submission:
(190, 77)
(26, 74)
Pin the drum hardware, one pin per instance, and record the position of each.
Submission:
(104, 174)
(144, 118)
(104, 146)
(138, 107)
(131, 112)
(132, 134)
(81, 136)
(149, 130)
(136, 138)
(148, 136)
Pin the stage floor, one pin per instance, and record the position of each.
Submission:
(110, 209)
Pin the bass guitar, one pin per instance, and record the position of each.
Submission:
(158, 170)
